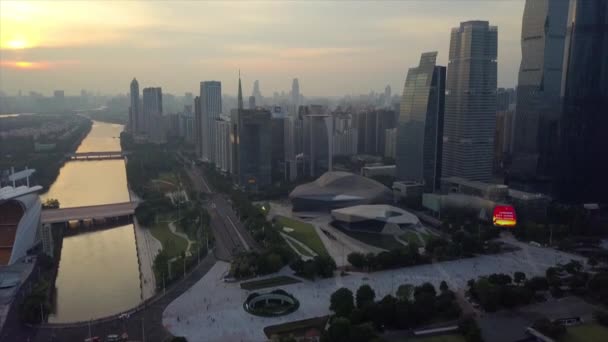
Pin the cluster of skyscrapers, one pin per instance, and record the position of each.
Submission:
(447, 121)
(451, 122)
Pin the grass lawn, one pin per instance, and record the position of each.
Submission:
(586, 333)
(373, 239)
(269, 282)
(439, 338)
(303, 232)
(411, 236)
(300, 249)
(172, 244)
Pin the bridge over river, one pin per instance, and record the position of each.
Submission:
(97, 155)
(91, 212)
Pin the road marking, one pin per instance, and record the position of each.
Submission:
(239, 234)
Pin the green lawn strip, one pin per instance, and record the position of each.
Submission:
(585, 332)
(439, 338)
(303, 232)
(172, 244)
(269, 282)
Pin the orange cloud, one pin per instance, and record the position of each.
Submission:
(31, 65)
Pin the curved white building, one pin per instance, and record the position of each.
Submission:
(20, 210)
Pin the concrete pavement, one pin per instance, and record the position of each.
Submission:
(209, 311)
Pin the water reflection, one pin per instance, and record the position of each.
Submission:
(98, 271)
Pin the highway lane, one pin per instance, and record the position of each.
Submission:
(230, 234)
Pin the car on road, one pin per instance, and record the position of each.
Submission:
(93, 339)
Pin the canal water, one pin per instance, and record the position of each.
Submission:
(98, 271)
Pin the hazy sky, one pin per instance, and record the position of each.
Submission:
(334, 48)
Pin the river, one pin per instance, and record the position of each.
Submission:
(98, 271)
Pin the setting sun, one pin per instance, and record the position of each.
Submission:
(17, 44)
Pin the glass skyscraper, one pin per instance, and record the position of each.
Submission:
(470, 102)
(583, 170)
(211, 108)
(536, 133)
(420, 123)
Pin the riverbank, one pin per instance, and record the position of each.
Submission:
(148, 248)
(41, 143)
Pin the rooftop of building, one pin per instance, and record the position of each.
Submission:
(473, 184)
(383, 212)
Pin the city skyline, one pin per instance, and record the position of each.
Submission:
(327, 58)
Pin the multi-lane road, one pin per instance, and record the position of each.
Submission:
(231, 237)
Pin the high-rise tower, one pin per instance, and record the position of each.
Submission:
(420, 125)
(536, 133)
(470, 102)
(211, 107)
(134, 110)
(584, 121)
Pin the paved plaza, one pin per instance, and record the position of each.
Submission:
(212, 310)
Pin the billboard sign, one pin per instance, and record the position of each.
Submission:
(504, 216)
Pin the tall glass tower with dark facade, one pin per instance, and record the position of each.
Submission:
(420, 123)
(536, 133)
(470, 102)
(134, 111)
(583, 170)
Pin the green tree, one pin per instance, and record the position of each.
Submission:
(519, 277)
(51, 203)
(339, 330)
(404, 292)
(341, 302)
(443, 287)
(365, 295)
(357, 260)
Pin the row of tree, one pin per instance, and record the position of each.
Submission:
(321, 266)
(399, 257)
(360, 317)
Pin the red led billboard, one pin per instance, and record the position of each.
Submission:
(504, 216)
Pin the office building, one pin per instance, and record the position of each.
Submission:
(536, 131)
(198, 128)
(420, 128)
(256, 94)
(278, 120)
(251, 102)
(584, 121)
(211, 108)
(295, 97)
(470, 102)
(223, 145)
(503, 138)
(317, 148)
(390, 143)
(135, 114)
(345, 142)
(505, 99)
(153, 115)
(255, 149)
(294, 142)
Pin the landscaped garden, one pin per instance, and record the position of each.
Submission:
(303, 232)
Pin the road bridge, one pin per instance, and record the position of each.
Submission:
(92, 212)
(97, 155)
